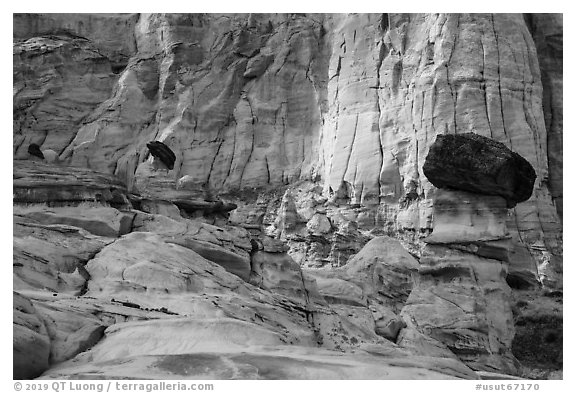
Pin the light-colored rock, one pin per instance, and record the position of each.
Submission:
(356, 114)
(160, 207)
(180, 336)
(228, 247)
(58, 82)
(316, 232)
(31, 345)
(71, 332)
(275, 362)
(232, 262)
(188, 182)
(288, 220)
(419, 343)
(277, 273)
(476, 224)
(338, 291)
(388, 324)
(51, 156)
(270, 244)
(319, 225)
(340, 110)
(248, 216)
(461, 217)
(463, 301)
(161, 294)
(143, 276)
(100, 221)
(59, 185)
(52, 257)
(383, 266)
(135, 262)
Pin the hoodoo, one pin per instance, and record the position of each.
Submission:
(287, 196)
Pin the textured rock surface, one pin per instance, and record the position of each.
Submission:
(297, 138)
(270, 363)
(538, 342)
(474, 163)
(101, 221)
(462, 301)
(383, 266)
(547, 32)
(464, 217)
(58, 82)
(379, 278)
(52, 257)
(278, 273)
(31, 347)
(253, 100)
(170, 286)
(462, 297)
(41, 183)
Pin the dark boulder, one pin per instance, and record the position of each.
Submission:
(474, 163)
(34, 150)
(162, 152)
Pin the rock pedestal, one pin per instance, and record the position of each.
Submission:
(461, 297)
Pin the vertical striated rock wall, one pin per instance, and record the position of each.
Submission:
(352, 101)
(547, 32)
(238, 98)
(314, 130)
(435, 74)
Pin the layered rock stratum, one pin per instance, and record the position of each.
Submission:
(288, 227)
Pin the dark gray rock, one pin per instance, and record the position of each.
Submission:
(474, 163)
(34, 150)
(162, 152)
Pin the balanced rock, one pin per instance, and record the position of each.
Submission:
(162, 152)
(471, 162)
(34, 150)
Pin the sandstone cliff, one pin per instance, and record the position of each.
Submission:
(313, 130)
(260, 100)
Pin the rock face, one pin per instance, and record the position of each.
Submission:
(462, 301)
(547, 32)
(303, 202)
(31, 342)
(35, 182)
(58, 82)
(187, 291)
(474, 163)
(461, 297)
(262, 100)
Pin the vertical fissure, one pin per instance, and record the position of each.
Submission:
(500, 83)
